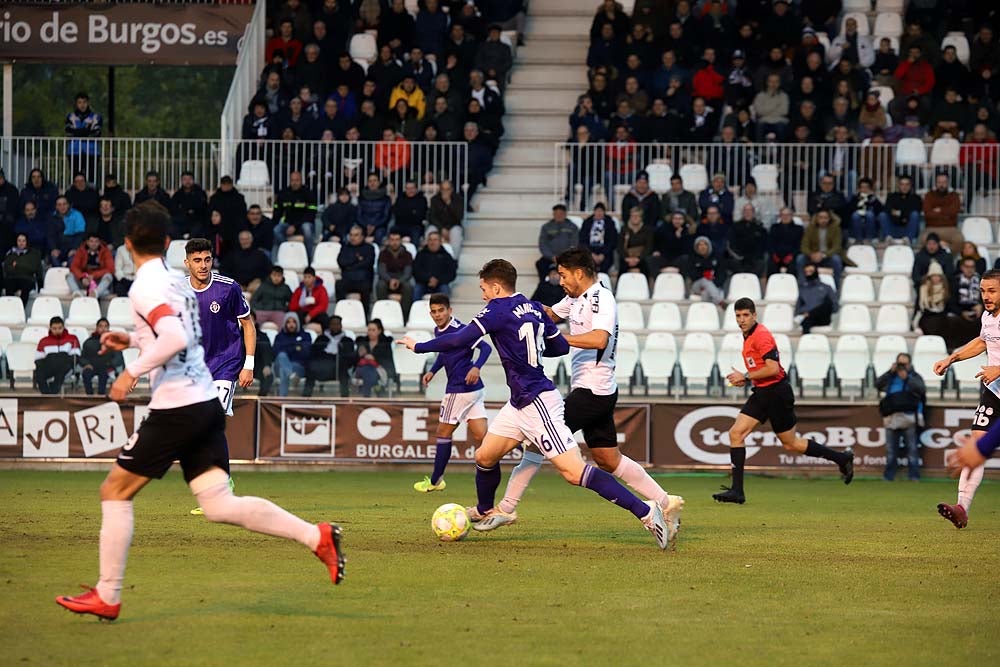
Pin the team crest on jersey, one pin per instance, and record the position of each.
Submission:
(751, 363)
(215, 307)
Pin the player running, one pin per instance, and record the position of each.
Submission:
(185, 423)
(464, 397)
(522, 334)
(772, 399)
(593, 324)
(226, 325)
(989, 395)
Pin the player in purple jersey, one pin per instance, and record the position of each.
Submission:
(464, 398)
(226, 325)
(522, 334)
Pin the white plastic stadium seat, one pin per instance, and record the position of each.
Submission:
(658, 357)
(730, 355)
(11, 311)
(44, 309)
(292, 255)
(888, 24)
(6, 338)
(363, 47)
(729, 318)
(945, 152)
(632, 287)
(827, 279)
(55, 282)
(664, 316)
(21, 361)
(961, 44)
(695, 177)
(895, 288)
(84, 311)
(927, 350)
(352, 314)
(176, 255)
(254, 174)
(325, 256)
(857, 288)
(977, 230)
(897, 259)
(864, 258)
(965, 374)
(120, 312)
(668, 287)
(329, 281)
(291, 279)
(885, 95)
(766, 176)
(744, 285)
(33, 334)
(697, 358)
(857, 5)
(626, 358)
(659, 177)
(779, 317)
(602, 278)
(785, 355)
(390, 312)
(410, 365)
(911, 152)
(782, 287)
(812, 360)
(702, 316)
(887, 348)
(850, 362)
(630, 316)
(81, 333)
(420, 316)
(892, 318)
(895, 6)
(854, 318)
(861, 18)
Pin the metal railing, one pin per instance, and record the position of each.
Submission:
(246, 78)
(786, 173)
(260, 168)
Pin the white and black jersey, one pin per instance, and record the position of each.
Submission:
(593, 310)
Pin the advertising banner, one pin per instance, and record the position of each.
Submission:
(391, 432)
(697, 435)
(122, 34)
(83, 427)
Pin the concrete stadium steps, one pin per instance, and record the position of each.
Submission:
(521, 100)
(474, 255)
(547, 21)
(498, 203)
(528, 178)
(523, 154)
(551, 126)
(542, 74)
(501, 232)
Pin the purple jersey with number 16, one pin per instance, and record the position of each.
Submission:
(519, 328)
(222, 305)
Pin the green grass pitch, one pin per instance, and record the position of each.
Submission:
(807, 573)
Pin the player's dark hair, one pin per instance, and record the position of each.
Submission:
(197, 245)
(499, 271)
(578, 258)
(439, 299)
(992, 274)
(745, 303)
(146, 227)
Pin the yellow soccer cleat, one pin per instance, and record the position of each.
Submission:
(425, 486)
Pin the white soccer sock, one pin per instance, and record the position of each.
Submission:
(520, 478)
(968, 482)
(256, 514)
(636, 476)
(117, 522)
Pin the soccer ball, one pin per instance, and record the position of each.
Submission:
(450, 522)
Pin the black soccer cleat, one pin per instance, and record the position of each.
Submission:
(847, 468)
(728, 495)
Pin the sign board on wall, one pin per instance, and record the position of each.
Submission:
(122, 34)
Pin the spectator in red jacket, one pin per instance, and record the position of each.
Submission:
(707, 82)
(619, 160)
(55, 357)
(915, 75)
(285, 42)
(310, 301)
(979, 157)
(92, 271)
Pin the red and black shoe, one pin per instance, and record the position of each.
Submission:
(329, 551)
(954, 513)
(90, 603)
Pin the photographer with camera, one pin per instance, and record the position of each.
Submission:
(902, 410)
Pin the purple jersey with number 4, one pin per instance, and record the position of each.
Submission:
(222, 305)
(519, 328)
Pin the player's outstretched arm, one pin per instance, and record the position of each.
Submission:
(592, 340)
(464, 337)
(556, 346)
(973, 348)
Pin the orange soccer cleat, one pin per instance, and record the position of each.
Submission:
(329, 551)
(90, 603)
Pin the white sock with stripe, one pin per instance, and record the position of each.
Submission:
(968, 482)
(636, 476)
(520, 478)
(117, 522)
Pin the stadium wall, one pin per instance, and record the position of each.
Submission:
(678, 436)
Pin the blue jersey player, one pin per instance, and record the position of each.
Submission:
(464, 398)
(522, 334)
(226, 325)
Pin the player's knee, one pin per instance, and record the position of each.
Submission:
(606, 459)
(484, 459)
(571, 476)
(790, 445)
(737, 436)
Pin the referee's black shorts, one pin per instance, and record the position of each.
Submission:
(774, 403)
(595, 415)
(194, 434)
